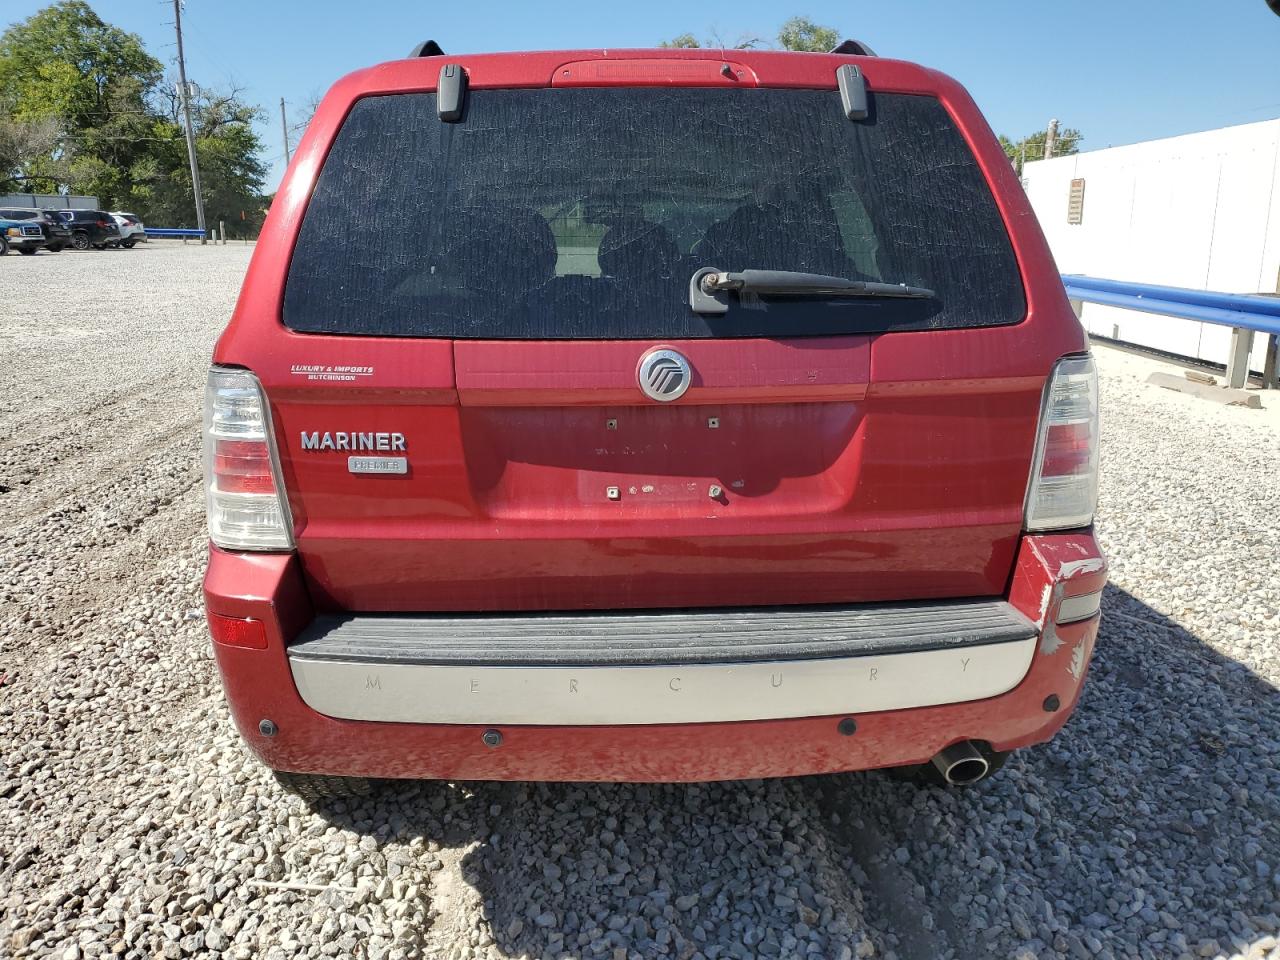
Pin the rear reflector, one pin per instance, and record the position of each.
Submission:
(235, 632)
(245, 498)
(1063, 491)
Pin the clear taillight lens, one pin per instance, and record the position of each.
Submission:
(1064, 476)
(245, 499)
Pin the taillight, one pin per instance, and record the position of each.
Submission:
(1064, 475)
(246, 503)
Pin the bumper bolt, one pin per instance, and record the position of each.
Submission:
(268, 728)
(847, 727)
(492, 738)
(1052, 703)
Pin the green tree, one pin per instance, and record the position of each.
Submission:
(25, 145)
(66, 65)
(1031, 147)
(684, 41)
(230, 156)
(84, 107)
(798, 33)
(801, 33)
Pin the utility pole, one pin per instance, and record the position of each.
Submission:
(1050, 139)
(284, 127)
(186, 113)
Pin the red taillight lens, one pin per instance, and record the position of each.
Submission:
(242, 466)
(1068, 449)
(238, 632)
(102, 223)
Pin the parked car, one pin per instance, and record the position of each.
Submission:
(734, 425)
(25, 236)
(91, 228)
(56, 233)
(131, 229)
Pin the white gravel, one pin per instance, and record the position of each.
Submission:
(133, 824)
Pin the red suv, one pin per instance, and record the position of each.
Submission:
(650, 415)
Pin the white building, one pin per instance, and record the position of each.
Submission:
(1199, 211)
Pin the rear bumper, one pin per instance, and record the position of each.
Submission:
(360, 709)
(669, 667)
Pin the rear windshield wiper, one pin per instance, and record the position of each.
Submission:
(707, 285)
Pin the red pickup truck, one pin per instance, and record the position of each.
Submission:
(650, 415)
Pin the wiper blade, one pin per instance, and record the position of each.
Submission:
(707, 286)
(784, 282)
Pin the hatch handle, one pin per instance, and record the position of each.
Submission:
(451, 92)
(853, 91)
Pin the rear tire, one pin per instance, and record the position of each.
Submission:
(927, 775)
(80, 241)
(314, 788)
(27, 251)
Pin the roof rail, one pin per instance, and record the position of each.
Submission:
(855, 48)
(427, 48)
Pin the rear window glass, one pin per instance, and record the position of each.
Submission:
(582, 213)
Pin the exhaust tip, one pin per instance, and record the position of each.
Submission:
(962, 764)
(964, 772)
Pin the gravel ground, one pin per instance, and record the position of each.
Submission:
(132, 823)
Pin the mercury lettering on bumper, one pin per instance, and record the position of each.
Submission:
(687, 693)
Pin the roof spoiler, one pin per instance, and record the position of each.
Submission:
(427, 48)
(854, 48)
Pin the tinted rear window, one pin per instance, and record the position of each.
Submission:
(582, 213)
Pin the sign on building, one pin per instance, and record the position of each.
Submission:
(1075, 202)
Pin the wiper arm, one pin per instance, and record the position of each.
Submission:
(783, 282)
(707, 286)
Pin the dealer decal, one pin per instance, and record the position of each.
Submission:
(330, 371)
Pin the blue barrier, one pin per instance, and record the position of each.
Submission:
(174, 232)
(1244, 313)
(1242, 310)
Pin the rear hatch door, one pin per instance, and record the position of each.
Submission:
(462, 413)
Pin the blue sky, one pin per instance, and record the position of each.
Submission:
(1120, 71)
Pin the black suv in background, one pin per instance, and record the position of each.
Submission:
(90, 228)
(56, 233)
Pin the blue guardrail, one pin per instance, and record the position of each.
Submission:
(1247, 311)
(174, 232)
